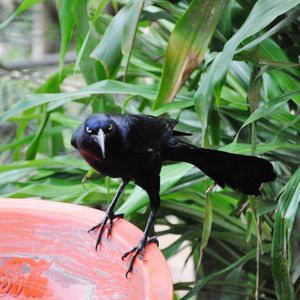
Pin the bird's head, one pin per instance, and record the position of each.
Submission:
(97, 128)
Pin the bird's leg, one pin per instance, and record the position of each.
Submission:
(139, 250)
(109, 215)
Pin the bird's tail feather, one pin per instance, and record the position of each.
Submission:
(242, 172)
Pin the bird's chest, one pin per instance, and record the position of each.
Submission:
(113, 165)
(122, 164)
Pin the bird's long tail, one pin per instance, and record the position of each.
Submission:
(242, 172)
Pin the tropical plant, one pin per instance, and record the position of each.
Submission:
(228, 71)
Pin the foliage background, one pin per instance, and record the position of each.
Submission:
(228, 71)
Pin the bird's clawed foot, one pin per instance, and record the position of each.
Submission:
(109, 216)
(139, 251)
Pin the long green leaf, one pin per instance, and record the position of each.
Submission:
(59, 99)
(92, 70)
(109, 50)
(130, 26)
(281, 255)
(206, 226)
(26, 4)
(269, 108)
(66, 20)
(187, 46)
(278, 27)
(102, 4)
(129, 32)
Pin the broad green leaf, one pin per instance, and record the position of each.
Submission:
(62, 119)
(26, 4)
(130, 26)
(284, 220)
(174, 105)
(49, 191)
(60, 162)
(129, 31)
(87, 40)
(15, 175)
(102, 87)
(187, 46)
(109, 50)
(225, 23)
(66, 20)
(102, 4)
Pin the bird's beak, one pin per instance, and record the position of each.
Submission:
(100, 140)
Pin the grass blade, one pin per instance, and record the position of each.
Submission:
(109, 50)
(281, 256)
(26, 4)
(66, 20)
(100, 8)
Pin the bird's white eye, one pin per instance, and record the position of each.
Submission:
(109, 127)
(88, 129)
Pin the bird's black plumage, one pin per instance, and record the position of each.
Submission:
(134, 147)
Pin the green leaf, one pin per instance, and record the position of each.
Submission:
(130, 26)
(269, 108)
(281, 255)
(240, 262)
(278, 27)
(187, 46)
(87, 40)
(129, 31)
(102, 4)
(59, 99)
(122, 26)
(60, 162)
(51, 85)
(169, 176)
(32, 149)
(269, 50)
(66, 20)
(26, 4)
(206, 226)
(167, 107)
(47, 133)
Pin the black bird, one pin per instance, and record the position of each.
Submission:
(134, 147)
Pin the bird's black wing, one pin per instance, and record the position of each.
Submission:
(146, 133)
